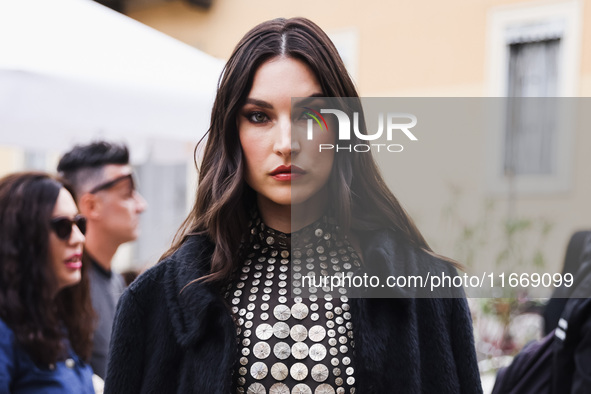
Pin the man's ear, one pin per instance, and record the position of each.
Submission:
(89, 206)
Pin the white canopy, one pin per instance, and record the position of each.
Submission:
(73, 70)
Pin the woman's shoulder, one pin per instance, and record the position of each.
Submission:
(197, 247)
(191, 258)
(189, 262)
(6, 334)
(4, 327)
(169, 292)
(389, 243)
(387, 255)
(18, 370)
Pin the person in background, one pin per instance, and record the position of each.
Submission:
(106, 194)
(46, 316)
(561, 361)
(572, 263)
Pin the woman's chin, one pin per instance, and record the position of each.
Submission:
(72, 280)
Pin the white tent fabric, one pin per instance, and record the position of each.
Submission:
(73, 70)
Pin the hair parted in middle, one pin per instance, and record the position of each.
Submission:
(359, 196)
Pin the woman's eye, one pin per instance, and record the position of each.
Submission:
(304, 115)
(300, 116)
(257, 117)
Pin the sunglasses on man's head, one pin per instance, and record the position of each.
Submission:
(62, 226)
(110, 184)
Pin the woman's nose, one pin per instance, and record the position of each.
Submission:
(284, 144)
(76, 236)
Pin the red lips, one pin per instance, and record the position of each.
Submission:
(287, 173)
(74, 262)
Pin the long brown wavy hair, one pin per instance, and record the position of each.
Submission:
(360, 198)
(41, 320)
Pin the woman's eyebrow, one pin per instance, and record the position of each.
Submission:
(303, 101)
(259, 103)
(265, 104)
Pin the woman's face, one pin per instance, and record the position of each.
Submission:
(284, 168)
(66, 255)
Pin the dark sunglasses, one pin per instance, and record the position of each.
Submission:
(62, 226)
(110, 184)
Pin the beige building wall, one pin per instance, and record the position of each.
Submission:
(402, 46)
(586, 53)
(421, 48)
(425, 48)
(10, 160)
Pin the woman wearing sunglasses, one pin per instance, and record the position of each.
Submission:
(46, 316)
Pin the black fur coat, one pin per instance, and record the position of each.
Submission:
(170, 341)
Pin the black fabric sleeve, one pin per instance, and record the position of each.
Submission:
(581, 380)
(126, 353)
(464, 348)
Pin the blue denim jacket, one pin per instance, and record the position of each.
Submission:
(19, 374)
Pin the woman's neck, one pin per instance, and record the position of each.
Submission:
(288, 218)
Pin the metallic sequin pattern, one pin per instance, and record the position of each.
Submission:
(299, 341)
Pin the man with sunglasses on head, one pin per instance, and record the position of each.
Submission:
(103, 181)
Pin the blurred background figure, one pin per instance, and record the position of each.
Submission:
(103, 181)
(572, 263)
(559, 362)
(45, 309)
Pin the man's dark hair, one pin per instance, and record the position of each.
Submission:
(83, 166)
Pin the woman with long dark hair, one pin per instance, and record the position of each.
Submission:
(225, 310)
(45, 312)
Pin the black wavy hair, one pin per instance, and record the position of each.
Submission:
(28, 304)
(359, 196)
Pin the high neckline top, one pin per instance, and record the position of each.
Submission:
(293, 338)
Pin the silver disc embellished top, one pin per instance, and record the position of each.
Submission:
(292, 341)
